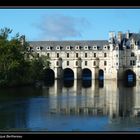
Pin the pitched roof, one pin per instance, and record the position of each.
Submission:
(135, 36)
(63, 44)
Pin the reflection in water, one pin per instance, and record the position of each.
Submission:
(66, 108)
(68, 83)
(130, 83)
(101, 83)
(86, 83)
(89, 100)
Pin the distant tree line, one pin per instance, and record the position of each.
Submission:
(16, 67)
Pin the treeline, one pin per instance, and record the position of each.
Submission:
(19, 66)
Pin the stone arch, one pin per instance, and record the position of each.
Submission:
(130, 77)
(101, 74)
(86, 74)
(68, 74)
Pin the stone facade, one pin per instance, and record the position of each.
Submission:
(114, 56)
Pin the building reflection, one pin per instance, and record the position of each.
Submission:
(112, 99)
(136, 101)
(79, 100)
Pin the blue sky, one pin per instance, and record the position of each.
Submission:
(69, 24)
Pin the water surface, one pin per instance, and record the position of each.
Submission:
(81, 106)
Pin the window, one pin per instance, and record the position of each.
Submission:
(116, 55)
(76, 63)
(85, 54)
(37, 54)
(67, 55)
(48, 54)
(48, 48)
(134, 62)
(85, 63)
(85, 47)
(57, 55)
(37, 48)
(132, 46)
(108, 47)
(105, 55)
(94, 47)
(94, 54)
(117, 64)
(105, 63)
(67, 63)
(131, 63)
(77, 47)
(57, 47)
(76, 54)
(132, 54)
(105, 47)
(57, 63)
(94, 63)
(68, 47)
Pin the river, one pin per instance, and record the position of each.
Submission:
(79, 106)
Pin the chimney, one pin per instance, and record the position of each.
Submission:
(127, 34)
(111, 36)
(119, 36)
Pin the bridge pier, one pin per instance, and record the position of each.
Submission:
(58, 73)
(77, 73)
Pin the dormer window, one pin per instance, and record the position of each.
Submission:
(48, 48)
(132, 46)
(94, 47)
(67, 47)
(132, 54)
(57, 47)
(38, 48)
(77, 47)
(85, 47)
(105, 47)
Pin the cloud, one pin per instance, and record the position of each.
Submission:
(59, 27)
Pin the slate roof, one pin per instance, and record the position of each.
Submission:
(135, 36)
(82, 43)
(72, 44)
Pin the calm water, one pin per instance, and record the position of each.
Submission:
(80, 107)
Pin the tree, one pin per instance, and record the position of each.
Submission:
(15, 67)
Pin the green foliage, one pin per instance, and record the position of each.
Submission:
(4, 33)
(14, 68)
(45, 61)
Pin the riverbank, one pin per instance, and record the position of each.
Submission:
(4, 84)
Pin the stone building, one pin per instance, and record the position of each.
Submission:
(115, 58)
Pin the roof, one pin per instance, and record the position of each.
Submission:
(135, 36)
(63, 44)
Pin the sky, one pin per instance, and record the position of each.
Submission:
(69, 24)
